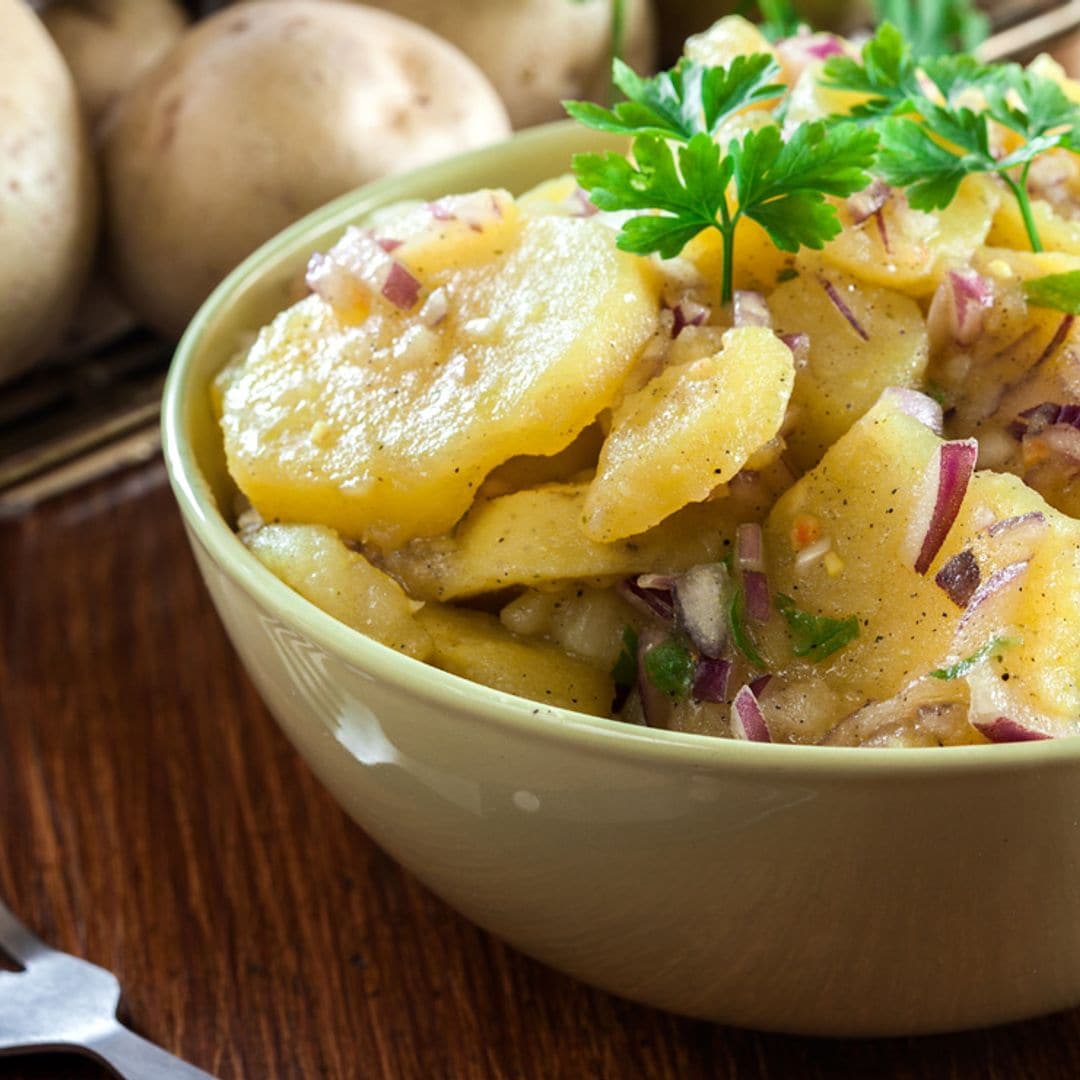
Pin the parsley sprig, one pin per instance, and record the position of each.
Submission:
(684, 181)
(931, 140)
(935, 27)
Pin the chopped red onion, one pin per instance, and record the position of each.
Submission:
(440, 211)
(942, 492)
(1036, 419)
(435, 307)
(799, 344)
(1034, 521)
(750, 546)
(388, 243)
(838, 302)
(869, 201)
(701, 602)
(756, 591)
(804, 48)
(997, 582)
(883, 231)
(960, 577)
(1063, 441)
(959, 307)
(657, 602)
(747, 719)
(1004, 730)
(687, 312)
(758, 685)
(920, 406)
(750, 309)
(330, 281)
(711, 680)
(656, 706)
(581, 204)
(400, 287)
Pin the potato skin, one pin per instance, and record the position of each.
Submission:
(109, 43)
(538, 53)
(260, 114)
(48, 195)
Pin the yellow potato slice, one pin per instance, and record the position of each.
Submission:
(921, 247)
(477, 646)
(313, 560)
(535, 537)
(690, 429)
(384, 430)
(846, 372)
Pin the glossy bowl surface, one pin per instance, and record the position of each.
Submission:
(811, 890)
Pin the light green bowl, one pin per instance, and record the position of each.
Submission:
(801, 889)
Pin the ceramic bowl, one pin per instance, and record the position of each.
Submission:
(801, 889)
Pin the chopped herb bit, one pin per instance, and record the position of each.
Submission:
(740, 633)
(670, 668)
(787, 273)
(1061, 292)
(962, 667)
(816, 636)
(625, 670)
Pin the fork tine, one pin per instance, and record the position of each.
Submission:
(15, 940)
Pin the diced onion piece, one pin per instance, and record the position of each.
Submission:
(401, 288)
(435, 307)
(747, 719)
(799, 344)
(838, 302)
(711, 680)
(996, 583)
(750, 546)
(750, 309)
(657, 602)
(656, 706)
(756, 590)
(797, 52)
(1001, 729)
(758, 685)
(701, 603)
(917, 405)
(938, 501)
(959, 307)
(960, 577)
(475, 209)
(1035, 420)
(580, 203)
(869, 201)
(685, 313)
(332, 283)
(810, 554)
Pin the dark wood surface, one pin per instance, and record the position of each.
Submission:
(153, 820)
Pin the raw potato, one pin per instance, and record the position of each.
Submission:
(688, 431)
(260, 114)
(477, 646)
(48, 196)
(386, 430)
(108, 44)
(312, 560)
(538, 53)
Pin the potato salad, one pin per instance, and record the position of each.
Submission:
(767, 428)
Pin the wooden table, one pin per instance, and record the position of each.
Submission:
(153, 820)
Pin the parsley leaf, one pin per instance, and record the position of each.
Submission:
(816, 636)
(962, 667)
(935, 27)
(740, 635)
(1061, 292)
(887, 74)
(685, 101)
(624, 673)
(781, 184)
(670, 668)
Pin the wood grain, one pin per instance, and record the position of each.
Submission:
(153, 820)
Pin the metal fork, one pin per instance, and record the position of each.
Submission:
(60, 1003)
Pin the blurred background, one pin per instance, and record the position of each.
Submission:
(147, 146)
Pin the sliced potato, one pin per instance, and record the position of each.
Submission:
(846, 372)
(477, 646)
(385, 430)
(535, 538)
(313, 560)
(690, 429)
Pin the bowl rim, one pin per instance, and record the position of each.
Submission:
(440, 688)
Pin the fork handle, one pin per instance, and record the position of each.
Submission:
(132, 1057)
